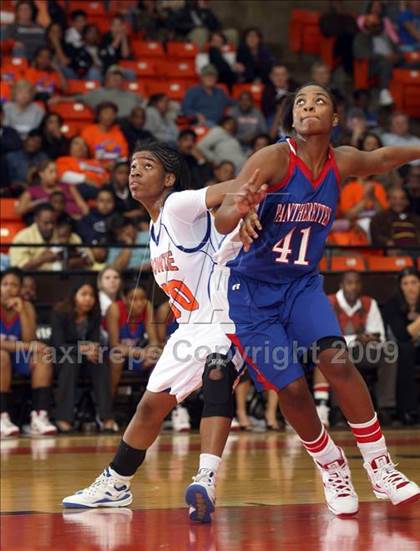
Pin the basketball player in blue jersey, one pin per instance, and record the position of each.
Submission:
(269, 294)
(182, 246)
(22, 355)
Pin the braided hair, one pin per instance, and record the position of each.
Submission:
(171, 159)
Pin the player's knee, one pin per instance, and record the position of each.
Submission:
(295, 392)
(335, 364)
(218, 380)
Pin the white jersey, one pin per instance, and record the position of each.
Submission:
(183, 241)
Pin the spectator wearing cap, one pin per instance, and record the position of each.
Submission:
(112, 91)
(158, 122)
(200, 169)
(206, 101)
(133, 128)
(19, 162)
(396, 226)
(104, 139)
(23, 114)
(399, 133)
(220, 144)
(249, 120)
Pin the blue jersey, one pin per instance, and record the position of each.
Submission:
(296, 217)
(11, 330)
(130, 333)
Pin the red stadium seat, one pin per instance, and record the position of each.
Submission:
(6, 46)
(142, 68)
(72, 128)
(8, 230)
(90, 7)
(73, 111)
(174, 90)
(13, 68)
(8, 210)
(405, 88)
(389, 263)
(138, 87)
(102, 22)
(304, 33)
(81, 86)
(178, 69)
(323, 265)
(361, 73)
(149, 49)
(344, 263)
(182, 50)
(5, 91)
(255, 89)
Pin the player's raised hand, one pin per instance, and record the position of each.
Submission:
(248, 230)
(250, 194)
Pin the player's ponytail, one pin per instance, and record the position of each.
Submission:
(172, 160)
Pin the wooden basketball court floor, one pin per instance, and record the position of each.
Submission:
(269, 497)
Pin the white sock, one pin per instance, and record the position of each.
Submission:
(209, 461)
(370, 439)
(323, 449)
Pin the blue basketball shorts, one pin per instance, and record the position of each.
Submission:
(273, 326)
(21, 365)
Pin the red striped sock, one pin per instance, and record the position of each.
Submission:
(323, 449)
(321, 392)
(370, 439)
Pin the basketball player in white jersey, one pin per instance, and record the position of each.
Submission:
(182, 243)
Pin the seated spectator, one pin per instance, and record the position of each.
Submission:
(22, 114)
(124, 202)
(43, 182)
(28, 289)
(249, 120)
(123, 231)
(112, 91)
(194, 21)
(56, 43)
(206, 101)
(27, 34)
(260, 141)
(46, 79)
(93, 228)
(218, 59)
(224, 171)
(115, 43)
(21, 161)
(165, 322)
(409, 26)
(151, 19)
(321, 74)
(396, 226)
(9, 142)
(104, 139)
(361, 199)
(220, 143)
(40, 232)
(70, 258)
(241, 397)
(75, 326)
(158, 122)
(78, 168)
(132, 331)
(110, 288)
(57, 200)
(412, 187)
(78, 21)
(356, 127)
(91, 45)
(254, 57)
(374, 44)
(200, 169)
(369, 141)
(54, 143)
(399, 132)
(133, 128)
(402, 318)
(17, 339)
(363, 330)
(278, 85)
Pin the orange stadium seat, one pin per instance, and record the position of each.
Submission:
(102, 22)
(389, 263)
(255, 89)
(405, 88)
(182, 50)
(344, 263)
(361, 73)
(91, 8)
(73, 111)
(8, 209)
(174, 90)
(13, 68)
(81, 86)
(149, 49)
(5, 91)
(178, 69)
(142, 68)
(138, 87)
(304, 33)
(117, 6)
(8, 230)
(323, 265)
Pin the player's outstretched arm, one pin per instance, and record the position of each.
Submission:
(250, 186)
(352, 162)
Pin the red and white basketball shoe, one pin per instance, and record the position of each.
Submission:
(339, 492)
(389, 483)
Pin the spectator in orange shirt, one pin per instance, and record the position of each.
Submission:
(44, 76)
(104, 139)
(77, 168)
